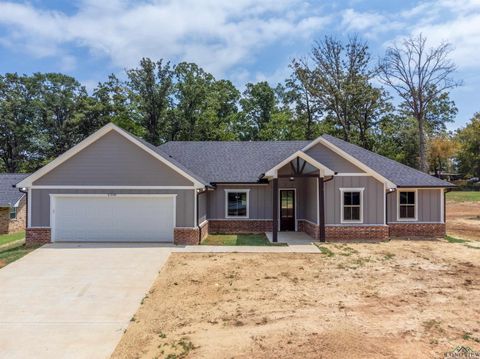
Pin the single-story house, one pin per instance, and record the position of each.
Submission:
(13, 211)
(114, 186)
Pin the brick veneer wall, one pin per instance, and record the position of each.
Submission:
(417, 229)
(313, 230)
(38, 235)
(8, 225)
(239, 226)
(204, 227)
(335, 233)
(185, 235)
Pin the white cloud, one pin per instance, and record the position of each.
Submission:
(216, 34)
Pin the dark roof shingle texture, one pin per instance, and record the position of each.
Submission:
(396, 172)
(10, 195)
(227, 161)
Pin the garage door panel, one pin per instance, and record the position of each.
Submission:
(114, 218)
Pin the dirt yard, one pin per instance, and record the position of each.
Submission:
(463, 219)
(399, 299)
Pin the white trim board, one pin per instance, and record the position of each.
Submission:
(350, 158)
(403, 220)
(113, 187)
(28, 182)
(237, 190)
(324, 170)
(353, 189)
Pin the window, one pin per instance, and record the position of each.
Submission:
(352, 207)
(13, 212)
(407, 205)
(236, 203)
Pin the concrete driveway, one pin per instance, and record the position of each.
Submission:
(74, 300)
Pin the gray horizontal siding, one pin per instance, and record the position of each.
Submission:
(429, 204)
(332, 160)
(40, 203)
(202, 207)
(373, 199)
(113, 160)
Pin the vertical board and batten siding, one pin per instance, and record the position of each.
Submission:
(311, 199)
(429, 206)
(332, 160)
(113, 160)
(40, 202)
(373, 199)
(202, 207)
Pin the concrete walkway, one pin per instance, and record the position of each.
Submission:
(74, 300)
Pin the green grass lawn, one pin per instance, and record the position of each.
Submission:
(12, 237)
(237, 240)
(461, 196)
(11, 255)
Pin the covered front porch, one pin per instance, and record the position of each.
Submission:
(298, 212)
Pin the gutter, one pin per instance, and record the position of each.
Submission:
(27, 210)
(391, 190)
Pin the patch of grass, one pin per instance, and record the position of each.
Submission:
(239, 240)
(468, 336)
(463, 196)
(325, 250)
(451, 239)
(13, 254)
(12, 237)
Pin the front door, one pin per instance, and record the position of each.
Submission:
(287, 210)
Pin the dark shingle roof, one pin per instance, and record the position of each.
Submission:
(227, 161)
(401, 175)
(8, 194)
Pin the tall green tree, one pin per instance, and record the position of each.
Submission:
(419, 76)
(58, 112)
(339, 80)
(258, 103)
(151, 87)
(17, 135)
(469, 148)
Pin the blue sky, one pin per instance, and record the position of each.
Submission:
(241, 40)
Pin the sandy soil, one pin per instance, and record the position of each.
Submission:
(463, 220)
(399, 299)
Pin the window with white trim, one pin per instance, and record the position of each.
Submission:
(352, 205)
(407, 205)
(13, 212)
(236, 203)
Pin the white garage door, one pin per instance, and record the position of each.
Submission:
(120, 218)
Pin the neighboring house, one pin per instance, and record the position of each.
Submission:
(13, 211)
(114, 186)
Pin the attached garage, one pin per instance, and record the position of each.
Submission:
(112, 218)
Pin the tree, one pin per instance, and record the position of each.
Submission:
(58, 113)
(441, 151)
(469, 148)
(258, 104)
(419, 76)
(16, 121)
(150, 87)
(339, 82)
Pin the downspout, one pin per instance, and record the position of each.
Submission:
(198, 207)
(445, 191)
(386, 203)
(321, 206)
(23, 190)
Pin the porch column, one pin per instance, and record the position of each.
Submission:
(321, 209)
(275, 210)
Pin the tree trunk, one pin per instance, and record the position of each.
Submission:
(422, 145)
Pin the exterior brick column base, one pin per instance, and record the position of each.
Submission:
(185, 236)
(35, 236)
(425, 230)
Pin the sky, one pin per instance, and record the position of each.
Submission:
(240, 40)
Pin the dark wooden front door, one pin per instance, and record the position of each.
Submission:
(287, 210)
